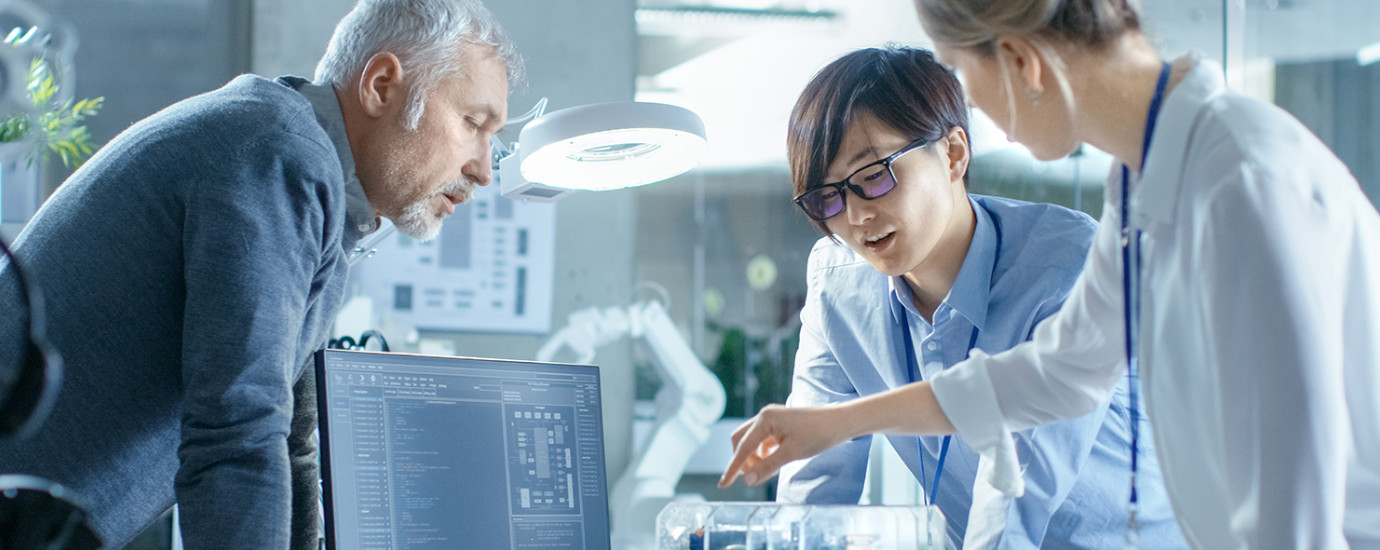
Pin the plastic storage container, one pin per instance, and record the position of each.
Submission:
(698, 525)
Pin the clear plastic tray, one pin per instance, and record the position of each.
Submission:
(697, 525)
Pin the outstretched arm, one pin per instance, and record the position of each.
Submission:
(777, 435)
(1069, 369)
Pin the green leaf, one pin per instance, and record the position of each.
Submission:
(14, 128)
(60, 125)
(42, 88)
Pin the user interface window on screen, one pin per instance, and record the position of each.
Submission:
(444, 455)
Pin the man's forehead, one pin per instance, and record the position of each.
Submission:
(483, 83)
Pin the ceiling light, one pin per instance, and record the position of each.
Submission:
(1368, 54)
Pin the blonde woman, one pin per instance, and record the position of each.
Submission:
(1238, 278)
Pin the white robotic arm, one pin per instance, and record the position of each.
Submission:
(691, 399)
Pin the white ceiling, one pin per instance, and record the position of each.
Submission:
(744, 89)
(743, 71)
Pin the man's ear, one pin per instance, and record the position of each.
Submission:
(1022, 63)
(381, 89)
(959, 154)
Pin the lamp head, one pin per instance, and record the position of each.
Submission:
(601, 147)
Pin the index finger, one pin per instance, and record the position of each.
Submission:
(747, 438)
(742, 429)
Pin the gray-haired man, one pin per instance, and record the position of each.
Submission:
(195, 262)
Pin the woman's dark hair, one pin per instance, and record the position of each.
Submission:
(904, 88)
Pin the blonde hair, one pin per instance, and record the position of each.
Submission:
(976, 24)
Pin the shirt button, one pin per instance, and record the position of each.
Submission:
(932, 346)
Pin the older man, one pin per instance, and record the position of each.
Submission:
(194, 263)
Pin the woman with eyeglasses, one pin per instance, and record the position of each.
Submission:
(914, 274)
(1237, 262)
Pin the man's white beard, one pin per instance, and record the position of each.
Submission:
(418, 221)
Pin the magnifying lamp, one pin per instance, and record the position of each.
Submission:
(591, 147)
(601, 147)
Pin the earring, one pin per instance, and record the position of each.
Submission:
(1034, 95)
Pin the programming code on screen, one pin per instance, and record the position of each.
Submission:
(426, 452)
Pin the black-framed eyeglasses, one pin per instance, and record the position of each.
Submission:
(869, 182)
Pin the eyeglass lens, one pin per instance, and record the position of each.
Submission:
(871, 182)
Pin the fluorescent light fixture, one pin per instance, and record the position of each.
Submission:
(1368, 54)
(601, 147)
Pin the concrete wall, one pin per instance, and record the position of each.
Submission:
(289, 36)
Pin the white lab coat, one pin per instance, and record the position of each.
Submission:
(1260, 332)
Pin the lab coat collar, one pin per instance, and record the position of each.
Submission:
(972, 288)
(1155, 202)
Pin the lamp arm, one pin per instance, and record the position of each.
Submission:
(535, 112)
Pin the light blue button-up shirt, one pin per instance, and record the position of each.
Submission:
(1021, 265)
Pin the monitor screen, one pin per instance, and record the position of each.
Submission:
(449, 452)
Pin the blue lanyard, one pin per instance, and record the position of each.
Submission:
(914, 370)
(1130, 292)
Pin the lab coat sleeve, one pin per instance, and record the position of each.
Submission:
(1276, 346)
(1052, 457)
(252, 243)
(1067, 369)
(834, 476)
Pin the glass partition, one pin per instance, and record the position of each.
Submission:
(1319, 60)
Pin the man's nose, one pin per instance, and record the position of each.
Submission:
(480, 166)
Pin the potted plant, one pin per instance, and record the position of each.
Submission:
(58, 121)
(53, 126)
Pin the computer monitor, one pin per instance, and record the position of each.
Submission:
(424, 452)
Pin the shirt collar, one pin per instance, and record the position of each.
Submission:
(901, 299)
(972, 288)
(359, 215)
(1169, 146)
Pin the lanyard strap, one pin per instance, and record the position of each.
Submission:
(914, 372)
(1130, 287)
(913, 366)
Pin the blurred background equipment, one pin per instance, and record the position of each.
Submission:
(28, 390)
(691, 399)
(31, 33)
(36, 514)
